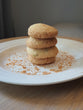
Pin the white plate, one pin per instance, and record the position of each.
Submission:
(76, 71)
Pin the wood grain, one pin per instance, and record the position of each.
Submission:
(66, 96)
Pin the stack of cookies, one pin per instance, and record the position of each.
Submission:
(41, 43)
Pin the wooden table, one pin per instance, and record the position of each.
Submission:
(66, 96)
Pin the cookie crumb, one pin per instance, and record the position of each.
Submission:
(28, 73)
(36, 68)
(24, 71)
(24, 67)
(46, 73)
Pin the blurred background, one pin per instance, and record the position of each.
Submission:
(17, 15)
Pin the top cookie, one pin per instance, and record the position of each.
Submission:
(42, 31)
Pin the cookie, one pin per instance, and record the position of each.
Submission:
(41, 61)
(42, 31)
(42, 53)
(40, 43)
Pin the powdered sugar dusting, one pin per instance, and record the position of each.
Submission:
(19, 63)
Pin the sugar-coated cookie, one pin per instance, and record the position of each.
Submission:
(42, 31)
(40, 43)
(43, 53)
(41, 61)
